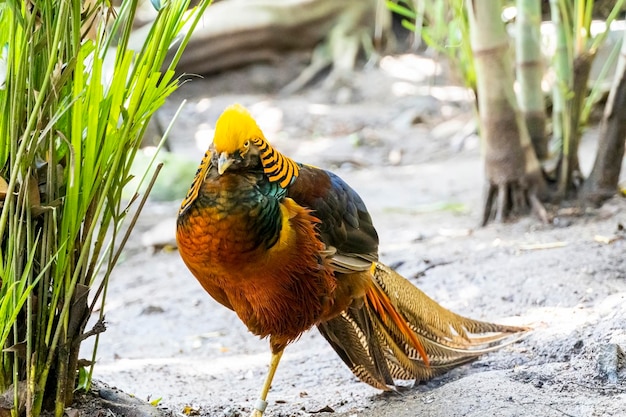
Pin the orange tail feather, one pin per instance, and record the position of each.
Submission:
(380, 302)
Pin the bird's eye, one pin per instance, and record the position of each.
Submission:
(246, 144)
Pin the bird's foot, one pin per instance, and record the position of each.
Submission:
(259, 408)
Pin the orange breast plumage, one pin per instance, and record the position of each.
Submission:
(257, 255)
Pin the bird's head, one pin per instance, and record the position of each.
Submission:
(233, 142)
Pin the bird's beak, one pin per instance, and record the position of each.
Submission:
(224, 162)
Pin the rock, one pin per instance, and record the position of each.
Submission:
(610, 362)
(119, 403)
(152, 309)
(408, 118)
(231, 412)
(395, 156)
(449, 128)
(161, 235)
(6, 400)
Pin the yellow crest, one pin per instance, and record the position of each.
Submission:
(233, 128)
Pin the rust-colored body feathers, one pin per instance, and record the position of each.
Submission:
(288, 246)
(260, 269)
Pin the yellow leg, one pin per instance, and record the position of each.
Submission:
(261, 403)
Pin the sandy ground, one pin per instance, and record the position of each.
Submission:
(405, 143)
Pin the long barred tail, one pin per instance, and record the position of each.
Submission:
(398, 332)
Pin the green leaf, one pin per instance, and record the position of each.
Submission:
(400, 9)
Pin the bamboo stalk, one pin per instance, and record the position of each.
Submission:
(562, 73)
(529, 73)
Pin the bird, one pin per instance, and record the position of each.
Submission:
(288, 246)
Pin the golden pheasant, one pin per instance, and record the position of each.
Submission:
(288, 246)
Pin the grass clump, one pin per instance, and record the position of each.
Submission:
(69, 132)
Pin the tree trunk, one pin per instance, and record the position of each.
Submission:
(512, 170)
(603, 181)
(529, 72)
(238, 32)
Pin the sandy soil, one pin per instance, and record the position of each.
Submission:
(406, 143)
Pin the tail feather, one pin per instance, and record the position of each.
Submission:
(350, 334)
(418, 340)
